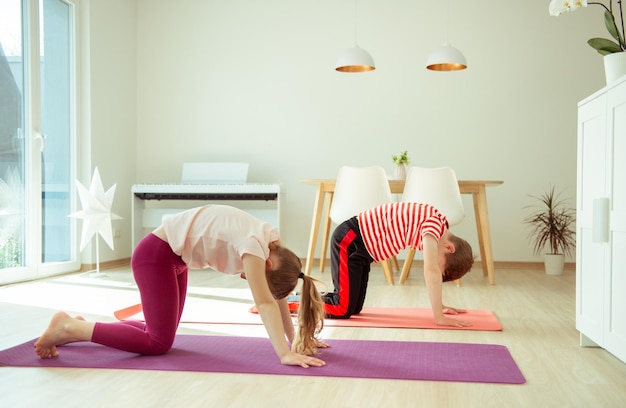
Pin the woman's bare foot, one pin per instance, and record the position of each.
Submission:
(63, 329)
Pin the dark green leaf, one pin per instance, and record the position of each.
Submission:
(609, 22)
(602, 44)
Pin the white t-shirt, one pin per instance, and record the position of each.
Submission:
(217, 236)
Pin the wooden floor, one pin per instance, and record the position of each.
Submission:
(536, 311)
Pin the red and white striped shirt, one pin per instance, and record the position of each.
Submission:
(392, 227)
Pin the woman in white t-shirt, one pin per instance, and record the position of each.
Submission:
(223, 238)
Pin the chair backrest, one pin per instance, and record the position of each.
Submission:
(438, 187)
(358, 189)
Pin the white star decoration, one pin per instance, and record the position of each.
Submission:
(96, 213)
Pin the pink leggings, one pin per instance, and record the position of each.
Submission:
(161, 277)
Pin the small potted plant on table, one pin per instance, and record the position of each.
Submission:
(401, 161)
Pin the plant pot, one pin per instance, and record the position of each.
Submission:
(554, 264)
(614, 66)
(400, 173)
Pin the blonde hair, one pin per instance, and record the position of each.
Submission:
(282, 281)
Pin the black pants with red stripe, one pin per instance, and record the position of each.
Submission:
(350, 266)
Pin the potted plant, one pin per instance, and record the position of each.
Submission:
(613, 51)
(401, 160)
(551, 224)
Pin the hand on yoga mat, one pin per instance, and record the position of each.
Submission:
(320, 344)
(452, 310)
(446, 321)
(301, 360)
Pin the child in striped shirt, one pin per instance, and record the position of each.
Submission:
(382, 232)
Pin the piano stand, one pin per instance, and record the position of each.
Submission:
(246, 196)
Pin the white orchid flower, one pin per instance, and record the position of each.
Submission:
(558, 7)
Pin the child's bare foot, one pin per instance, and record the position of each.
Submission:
(61, 330)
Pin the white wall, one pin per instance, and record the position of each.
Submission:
(246, 80)
(111, 104)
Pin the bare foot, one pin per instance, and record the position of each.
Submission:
(60, 331)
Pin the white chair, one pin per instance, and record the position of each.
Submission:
(438, 187)
(358, 189)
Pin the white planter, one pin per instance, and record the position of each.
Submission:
(400, 173)
(554, 264)
(614, 66)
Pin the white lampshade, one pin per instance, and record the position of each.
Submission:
(355, 59)
(446, 58)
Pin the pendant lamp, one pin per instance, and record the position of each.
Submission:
(446, 57)
(355, 59)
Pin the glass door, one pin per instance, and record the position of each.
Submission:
(37, 139)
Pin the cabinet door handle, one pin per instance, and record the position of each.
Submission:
(600, 227)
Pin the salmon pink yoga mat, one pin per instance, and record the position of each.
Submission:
(385, 317)
(402, 360)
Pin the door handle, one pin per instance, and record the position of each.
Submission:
(41, 138)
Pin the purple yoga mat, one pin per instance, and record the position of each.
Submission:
(462, 362)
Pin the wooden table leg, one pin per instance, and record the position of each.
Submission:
(325, 228)
(317, 214)
(387, 270)
(484, 236)
(406, 268)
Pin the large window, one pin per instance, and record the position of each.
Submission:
(37, 135)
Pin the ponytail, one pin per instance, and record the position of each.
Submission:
(310, 317)
(281, 281)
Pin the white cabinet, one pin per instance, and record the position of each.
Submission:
(601, 220)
